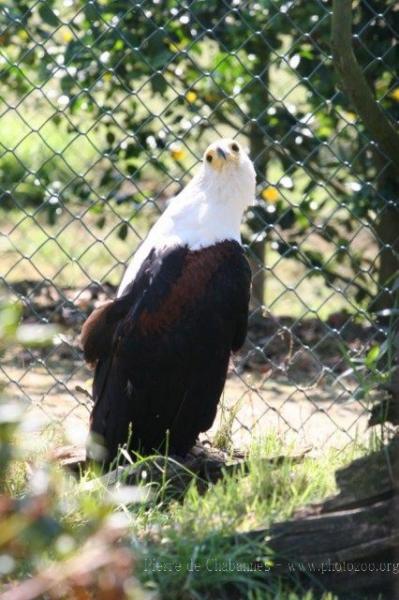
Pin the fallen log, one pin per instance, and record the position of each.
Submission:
(349, 543)
(205, 464)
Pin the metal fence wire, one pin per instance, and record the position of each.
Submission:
(105, 109)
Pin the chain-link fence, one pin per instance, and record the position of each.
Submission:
(106, 107)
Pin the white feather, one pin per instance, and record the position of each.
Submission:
(207, 211)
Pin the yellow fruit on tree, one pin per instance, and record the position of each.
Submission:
(270, 194)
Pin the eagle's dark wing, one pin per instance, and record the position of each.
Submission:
(162, 349)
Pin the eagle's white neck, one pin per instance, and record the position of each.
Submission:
(207, 211)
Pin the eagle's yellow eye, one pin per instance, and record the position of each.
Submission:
(209, 158)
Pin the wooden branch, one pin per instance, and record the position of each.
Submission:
(355, 85)
(349, 542)
(203, 463)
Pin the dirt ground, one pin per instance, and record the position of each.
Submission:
(291, 377)
(251, 406)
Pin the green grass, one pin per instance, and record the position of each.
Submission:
(184, 547)
(33, 137)
(73, 252)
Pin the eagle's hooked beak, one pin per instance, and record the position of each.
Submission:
(221, 153)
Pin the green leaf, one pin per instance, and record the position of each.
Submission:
(101, 222)
(48, 15)
(159, 83)
(372, 356)
(110, 137)
(97, 208)
(123, 231)
(10, 315)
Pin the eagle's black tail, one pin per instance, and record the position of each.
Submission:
(109, 421)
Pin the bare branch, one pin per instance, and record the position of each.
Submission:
(355, 85)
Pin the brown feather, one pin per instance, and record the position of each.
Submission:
(198, 270)
(97, 333)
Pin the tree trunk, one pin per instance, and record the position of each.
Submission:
(385, 134)
(259, 151)
(387, 229)
(258, 249)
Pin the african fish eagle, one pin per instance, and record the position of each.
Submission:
(161, 348)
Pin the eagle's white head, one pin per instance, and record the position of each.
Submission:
(229, 174)
(208, 210)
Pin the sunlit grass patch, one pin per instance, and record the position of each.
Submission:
(199, 544)
(188, 546)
